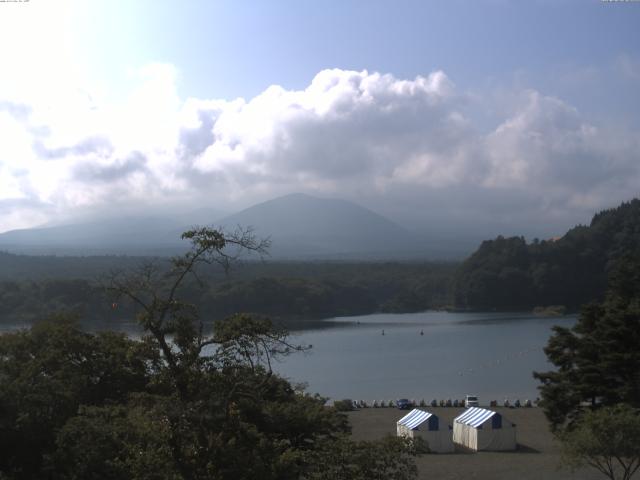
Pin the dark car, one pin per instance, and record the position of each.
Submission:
(403, 404)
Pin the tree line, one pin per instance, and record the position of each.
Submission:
(286, 291)
(509, 273)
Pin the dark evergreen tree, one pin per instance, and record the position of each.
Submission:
(598, 359)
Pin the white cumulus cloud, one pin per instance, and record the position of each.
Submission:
(399, 145)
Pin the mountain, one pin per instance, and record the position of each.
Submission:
(131, 235)
(126, 235)
(509, 273)
(302, 226)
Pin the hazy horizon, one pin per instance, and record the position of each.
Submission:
(300, 227)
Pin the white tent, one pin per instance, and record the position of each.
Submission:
(481, 429)
(426, 425)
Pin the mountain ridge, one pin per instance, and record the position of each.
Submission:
(301, 227)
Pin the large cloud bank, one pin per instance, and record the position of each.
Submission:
(408, 148)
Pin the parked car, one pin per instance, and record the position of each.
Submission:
(471, 401)
(403, 404)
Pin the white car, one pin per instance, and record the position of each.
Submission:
(471, 401)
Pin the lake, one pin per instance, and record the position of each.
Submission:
(488, 354)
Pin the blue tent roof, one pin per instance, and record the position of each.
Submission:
(414, 418)
(474, 416)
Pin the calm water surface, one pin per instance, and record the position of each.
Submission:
(488, 354)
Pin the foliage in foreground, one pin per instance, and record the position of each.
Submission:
(348, 460)
(592, 398)
(179, 403)
(607, 439)
(597, 360)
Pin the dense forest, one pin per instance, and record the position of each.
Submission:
(290, 291)
(505, 273)
(509, 273)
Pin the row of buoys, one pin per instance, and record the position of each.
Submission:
(516, 403)
(421, 331)
(440, 403)
(374, 404)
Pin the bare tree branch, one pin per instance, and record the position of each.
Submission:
(176, 326)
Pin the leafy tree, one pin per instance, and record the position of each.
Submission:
(347, 460)
(179, 404)
(155, 291)
(47, 373)
(607, 439)
(223, 391)
(119, 441)
(229, 416)
(597, 360)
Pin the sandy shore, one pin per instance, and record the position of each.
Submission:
(537, 458)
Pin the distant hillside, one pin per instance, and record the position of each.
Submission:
(302, 226)
(508, 273)
(131, 235)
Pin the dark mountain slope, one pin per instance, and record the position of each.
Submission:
(131, 235)
(302, 226)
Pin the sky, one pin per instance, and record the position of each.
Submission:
(493, 116)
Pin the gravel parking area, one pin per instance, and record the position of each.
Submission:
(537, 457)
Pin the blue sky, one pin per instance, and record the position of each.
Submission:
(230, 49)
(506, 114)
